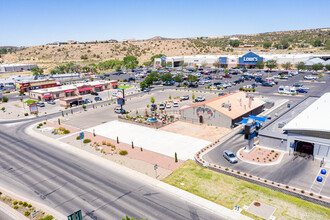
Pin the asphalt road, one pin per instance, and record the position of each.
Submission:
(67, 183)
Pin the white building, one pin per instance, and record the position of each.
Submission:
(309, 132)
(15, 67)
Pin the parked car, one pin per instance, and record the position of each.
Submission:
(146, 89)
(74, 103)
(297, 84)
(310, 77)
(185, 97)
(88, 101)
(193, 85)
(301, 90)
(51, 102)
(97, 98)
(200, 99)
(226, 76)
(161, 106)
(230, 156)
(94, 93)
(168, 105)
(81, 102)
(222, 94)
(175, 104)
(119, 110)
(40, 104)
(153, 107)
(267, 84)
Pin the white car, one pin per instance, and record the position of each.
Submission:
(310, 77)
(175, 104)
(168, 105)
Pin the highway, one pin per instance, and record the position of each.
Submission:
(67, 182)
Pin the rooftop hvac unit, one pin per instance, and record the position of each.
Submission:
(281, 124)
(226, 105)
(248, 95)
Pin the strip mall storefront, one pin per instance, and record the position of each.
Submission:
(62, 92)
(33, 85)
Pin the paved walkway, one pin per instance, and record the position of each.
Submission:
(163, 142)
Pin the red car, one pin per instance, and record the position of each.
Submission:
(226, 76)
(207, 73)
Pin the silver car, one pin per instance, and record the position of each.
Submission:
(230, 156)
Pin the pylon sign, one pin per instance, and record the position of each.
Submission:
(75, 216)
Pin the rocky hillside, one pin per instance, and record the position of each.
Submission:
(50, 55)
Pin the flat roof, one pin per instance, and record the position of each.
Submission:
(314, 118)
(240, 104)
(74, 86)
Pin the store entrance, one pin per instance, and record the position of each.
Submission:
(304, 147)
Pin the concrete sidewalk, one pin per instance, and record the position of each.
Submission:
(186, 196)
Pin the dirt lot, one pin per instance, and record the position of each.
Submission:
(205, 132)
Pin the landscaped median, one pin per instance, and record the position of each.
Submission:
(229, 191)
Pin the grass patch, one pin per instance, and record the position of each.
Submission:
(123, 87)
(228, 192)
(29, 101)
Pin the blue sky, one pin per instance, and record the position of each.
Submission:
(35, 22)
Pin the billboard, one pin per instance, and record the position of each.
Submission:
(33, 108)
(120, 93)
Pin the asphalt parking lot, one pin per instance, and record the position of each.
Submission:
(294, 171)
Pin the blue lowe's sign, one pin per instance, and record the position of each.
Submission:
(163, 59)
(249, 59)
(223, 60)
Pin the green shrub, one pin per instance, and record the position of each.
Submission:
(66, 131)
(123, 152)
(40, 124)
(48, 217)
(78, 138)
(20, 203)
(5, 99)
(15, 207)
(87, 141)
(15, 202)
(29, 206)
(26, 213)
(26, 114)
(25, 204)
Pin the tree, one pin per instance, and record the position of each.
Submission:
(21, 92)
(154, 76)
(226, 71)
(143, 85)
(260, 65)
(148, 80)
(267, 44)
(317, 66)
(300, 66)
(287, 65)
(285, 44)
(130, 62)
(167, 77)
(277, 46)
(234, 43)
(152, 59)
(178, 78)
(152, 100)
(192, 78)
(327, 67)
(271, 64)
(193, 96)
(216, 64)
(327, 45)
(37, 71)
(317, 43)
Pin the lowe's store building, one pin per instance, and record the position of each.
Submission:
(247, 60)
